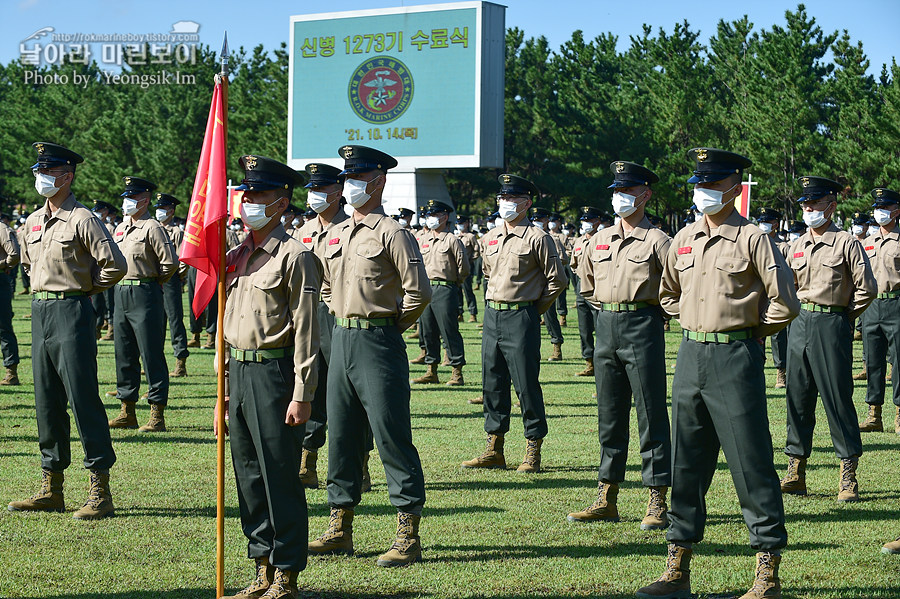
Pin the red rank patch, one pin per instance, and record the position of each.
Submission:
(870, 247)
(493, 242)
(231, 268)
(684, 250)
(602, 246)
(427, 245)
(307, 240)
(798, 254)
(35, 228)
(577, 249)
(334, 241)
(120, 233)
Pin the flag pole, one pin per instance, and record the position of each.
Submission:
(220, 357)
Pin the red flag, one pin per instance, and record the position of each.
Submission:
(202, 247)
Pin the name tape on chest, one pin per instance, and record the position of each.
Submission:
(870, 247)
(334, 241)
(427, 245)
(307, 240)
(35, 228)
(602, 246)
(798, 254)
(685, 250)
(493, 242)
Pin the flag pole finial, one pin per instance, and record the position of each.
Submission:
(224, 56)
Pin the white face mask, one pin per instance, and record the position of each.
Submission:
(553, 225)
(623, 204)
(882, 216)
(432, 222)
(794, 236)
(97, 214)
(318, 201)
(709, 201)
(235, 227)
(296, 222)
(601, 227)
(356, 191)
(490, 225)
(765, 227)
(814, 219)
(566, 232)
(161, 214)
(857, 230)
(254, 215)
(403, 222)
(538, 224)
(284, 219)
(45, 185)
(587, 227)
(459, 227)
(129, 206)
(509, 211)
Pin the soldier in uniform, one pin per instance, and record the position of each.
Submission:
(881, 322)
(9, 345)
(554, 226)
(540, 218)
(376, 286)
(767, 221)
(173, 288)
(447, 266)
(590, 218)
(104, 302)
(140, 318)
(270, 324)
(620, 273)
(796, 229)
(729, 287)
(324, 199)
(473, 255)
(525, 276)
(859, 227)
(835, 285)
(404, 218)
(69, 256)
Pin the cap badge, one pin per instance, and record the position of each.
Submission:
(250, 162)
(40, 148)
(127, 180)
(701, 155)
(620, 167)
(879, 193)
(313, 168)
(804, 181)
(506, 178)
(347, 151)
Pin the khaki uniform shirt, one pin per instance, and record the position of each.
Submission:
(70, 250)
(311, 234)
(782, 246)
(624, 268)
(271, 303)
(884, 256)
(232, 239)
(727, 279)
(147, 248)
(577, 253)
(444, 256)
(176, 236)
(373, 269)
(523, 265)
(560, 240)
(9, 248)
(833, 271)
(473, 247)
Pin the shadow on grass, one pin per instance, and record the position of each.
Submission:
(386, 509)
(208, 592)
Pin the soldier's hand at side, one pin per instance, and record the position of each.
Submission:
(297, 413)
(216, 419)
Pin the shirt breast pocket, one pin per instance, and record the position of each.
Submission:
(639, 265)
(601, 264)
(62, 245)
(137, 243)
(521, 261)
(732, 276)
(368, 260)
(266, 298)
(833, 269)
(684, 265)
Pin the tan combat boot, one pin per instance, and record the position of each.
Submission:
(366, 485)
(195, 340)
(407, 547)
(420, 359)
(492, 457)
(604, 507)
(780, 378)
(210, 342)
(588, 369)
(157, 422)
(657, 516)
(430, 377)
(897, 422)
(12, 376)
(126, 418)
(472, 318)
(338, 537)
(49, 497)
(284, 586)
(556, 354)
(456, 377)
(446, 361)
(309, 478)
(532, 460)
(794, 481)
(414, 334)
(767, 585)
(99, 503)
(861, 375)
(892, 547)
(477, 401)
(666, 326)
(848, 487)
(675, 582)
(109, 336)
(265, 573)
(562, 321)
(873, 422)
(180, 368)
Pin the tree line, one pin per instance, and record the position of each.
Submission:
(794, 98)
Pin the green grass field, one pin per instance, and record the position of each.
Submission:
(494, 534)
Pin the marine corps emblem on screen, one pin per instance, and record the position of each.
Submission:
(380, 90)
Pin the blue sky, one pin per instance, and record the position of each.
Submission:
(874, 22)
